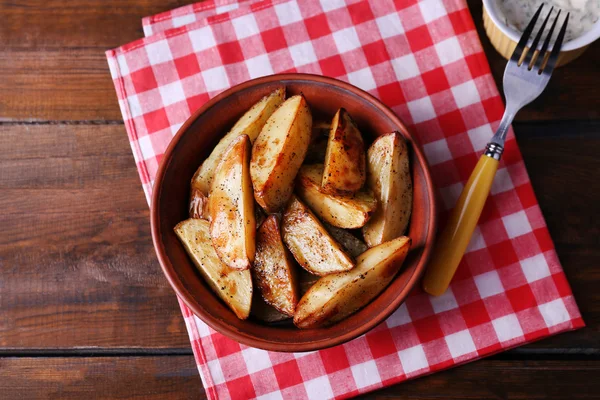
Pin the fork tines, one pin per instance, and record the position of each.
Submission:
(530, 56)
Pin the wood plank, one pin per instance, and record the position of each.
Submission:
(75, 237)
(54, 68)
(76, 378)
(563, 171)
(177, 378)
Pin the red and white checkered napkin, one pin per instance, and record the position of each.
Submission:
(424, 60)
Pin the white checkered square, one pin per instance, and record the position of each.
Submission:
(399, 317)
(413, 359)
(216, 373)
(171, 93)
(432, 10)
(363, 79)
(437, 152)
(135, 108)
(449, 50)
(302, 54)
(502, 182)
(480, 136)
(158, 52)
(226, 8)
(389, 26)
(516, 224)
(466, 94)
(215, 79)
(535, 268)
(554, 312)
(202, 39)
(488, 284)
(183, 20)
(421, 109)
(365, 374)
(259, 66)
(346, 39)
(256, 359)
(276, 395)
(444, 302)
(245, 26)
(507, 327)
(477, 241)
(318, 388)
(329, 5)
(405, 67)
(460, 343)
(146, 148)
(288, 13)
(122, 63)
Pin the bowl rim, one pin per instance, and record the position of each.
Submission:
(581, 41)
(241, 337)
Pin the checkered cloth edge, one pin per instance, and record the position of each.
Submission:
(424, 60)
(188, 14)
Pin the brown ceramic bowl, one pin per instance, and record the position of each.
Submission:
(192, 145)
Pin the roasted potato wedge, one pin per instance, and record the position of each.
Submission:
(278, 153)
(336, 296)
(346, 212)
(251, 123)
(312, 246)
(234, 287)
(231, 207)
(264, 312)
(353, 245)
(389, 179)
(274, 269)
(198, 205)
(345, 169)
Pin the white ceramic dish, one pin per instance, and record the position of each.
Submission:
(504, 38)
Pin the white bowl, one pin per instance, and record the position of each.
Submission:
(504, 38)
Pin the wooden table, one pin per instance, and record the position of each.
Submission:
(84, 307)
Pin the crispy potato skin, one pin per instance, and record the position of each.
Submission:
(251, 123)
(234, 287)
(198, 205)
(312, 246)
(342, 211)
(336, 296)
(389, 179)
(345, 170)
(278, 153)
(231, 205)
(274, 268)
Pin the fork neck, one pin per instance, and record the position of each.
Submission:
(495, 147)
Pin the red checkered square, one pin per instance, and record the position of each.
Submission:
(423, 59)
(187, 66)
(273, 39)
(381, 343)
(335, 359)
(231, 52)
(288, 374)
(317, 26)
(419, 39)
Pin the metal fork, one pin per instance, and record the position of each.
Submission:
(525, 78)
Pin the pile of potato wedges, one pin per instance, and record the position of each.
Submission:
(295, 218)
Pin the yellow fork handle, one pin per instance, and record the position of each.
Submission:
(451, 245)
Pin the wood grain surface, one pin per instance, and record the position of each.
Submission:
(85, 309)
(175, 377)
